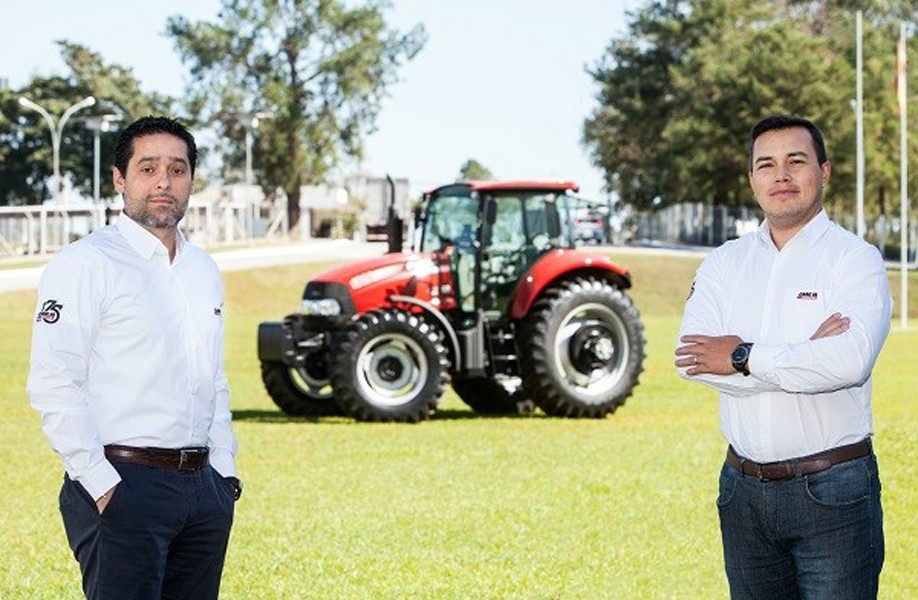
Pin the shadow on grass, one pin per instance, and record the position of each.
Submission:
(276, 416)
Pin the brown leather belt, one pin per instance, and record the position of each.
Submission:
(183, 459)
(805, 465)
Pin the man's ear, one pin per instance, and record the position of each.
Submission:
(118, 180)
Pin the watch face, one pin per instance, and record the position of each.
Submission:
(740, 354)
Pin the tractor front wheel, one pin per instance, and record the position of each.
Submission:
(389, 365)
(584, 343)
(302, 392)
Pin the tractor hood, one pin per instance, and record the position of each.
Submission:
(369, 283)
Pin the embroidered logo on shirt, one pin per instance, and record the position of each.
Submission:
(50, 312)
(217, 312)
(807, 295)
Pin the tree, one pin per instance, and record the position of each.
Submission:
(472, 170)
(25, 144)
(320, 67)
(680, 91)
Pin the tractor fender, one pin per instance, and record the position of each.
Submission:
(557, 264)
(438, 316)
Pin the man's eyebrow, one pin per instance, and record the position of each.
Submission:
(796, 153)
(171, 159)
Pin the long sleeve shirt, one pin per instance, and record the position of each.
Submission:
(802, 396)
(127, 348)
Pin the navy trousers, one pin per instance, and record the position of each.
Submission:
(163, 534)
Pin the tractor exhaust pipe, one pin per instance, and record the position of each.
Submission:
(394, 225)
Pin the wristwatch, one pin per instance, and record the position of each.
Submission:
(740, 357)
(237, 486)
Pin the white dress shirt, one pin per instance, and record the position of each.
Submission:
(802, 396)
(127, 348)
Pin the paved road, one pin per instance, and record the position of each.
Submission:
(238, 259)
(313, 251)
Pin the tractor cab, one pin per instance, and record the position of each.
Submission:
(491, 234)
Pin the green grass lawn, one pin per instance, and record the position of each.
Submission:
(461, 506)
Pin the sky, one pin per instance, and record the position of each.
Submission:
(503, 82)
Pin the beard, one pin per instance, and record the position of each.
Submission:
(155, 217)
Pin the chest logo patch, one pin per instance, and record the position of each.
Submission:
(50, 312)
(217, 312)
(807, 295)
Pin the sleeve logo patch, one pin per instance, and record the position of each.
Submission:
(50, 312)
(807, 295)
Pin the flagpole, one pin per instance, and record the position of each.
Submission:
(902, 98)
(859, 121)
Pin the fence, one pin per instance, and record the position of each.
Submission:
(706, 225)
(214, 216)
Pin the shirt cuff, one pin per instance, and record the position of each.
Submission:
(99, 479)
(223, 463)
(763, 360)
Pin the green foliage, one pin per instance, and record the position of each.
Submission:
(321, 68)
(462, 506)
(472, 170)
(679, 92)
(25, 140)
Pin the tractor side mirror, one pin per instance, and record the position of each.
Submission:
(490, 211)
(553, 220)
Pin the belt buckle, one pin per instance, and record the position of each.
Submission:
(758, 472)
(186, 456)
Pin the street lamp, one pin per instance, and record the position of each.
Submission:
(97, 125)
(56, 130)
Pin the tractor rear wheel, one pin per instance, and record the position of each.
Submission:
(302, 391)
(488, 397)
(389, 365)
(584, 346)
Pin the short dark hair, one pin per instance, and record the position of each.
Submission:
(124, 149)
(774, 122)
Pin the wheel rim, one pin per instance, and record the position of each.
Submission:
(310, 385)
(607, 344)
(392, 369)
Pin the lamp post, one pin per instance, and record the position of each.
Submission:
(56, 131)
(97, 125)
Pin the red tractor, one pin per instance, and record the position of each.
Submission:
(494, 298)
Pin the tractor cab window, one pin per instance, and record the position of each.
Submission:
(451, 220)
(519, 235)
(567, 205)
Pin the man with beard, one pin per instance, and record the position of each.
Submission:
(127, 373)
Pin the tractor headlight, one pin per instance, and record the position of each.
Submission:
(324, 307)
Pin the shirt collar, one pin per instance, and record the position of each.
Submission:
(145, 243)
(808, 235)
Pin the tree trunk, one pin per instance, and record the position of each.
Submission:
(293, 207)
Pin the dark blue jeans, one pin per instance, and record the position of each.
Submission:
(818, 536)
(163, 534)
